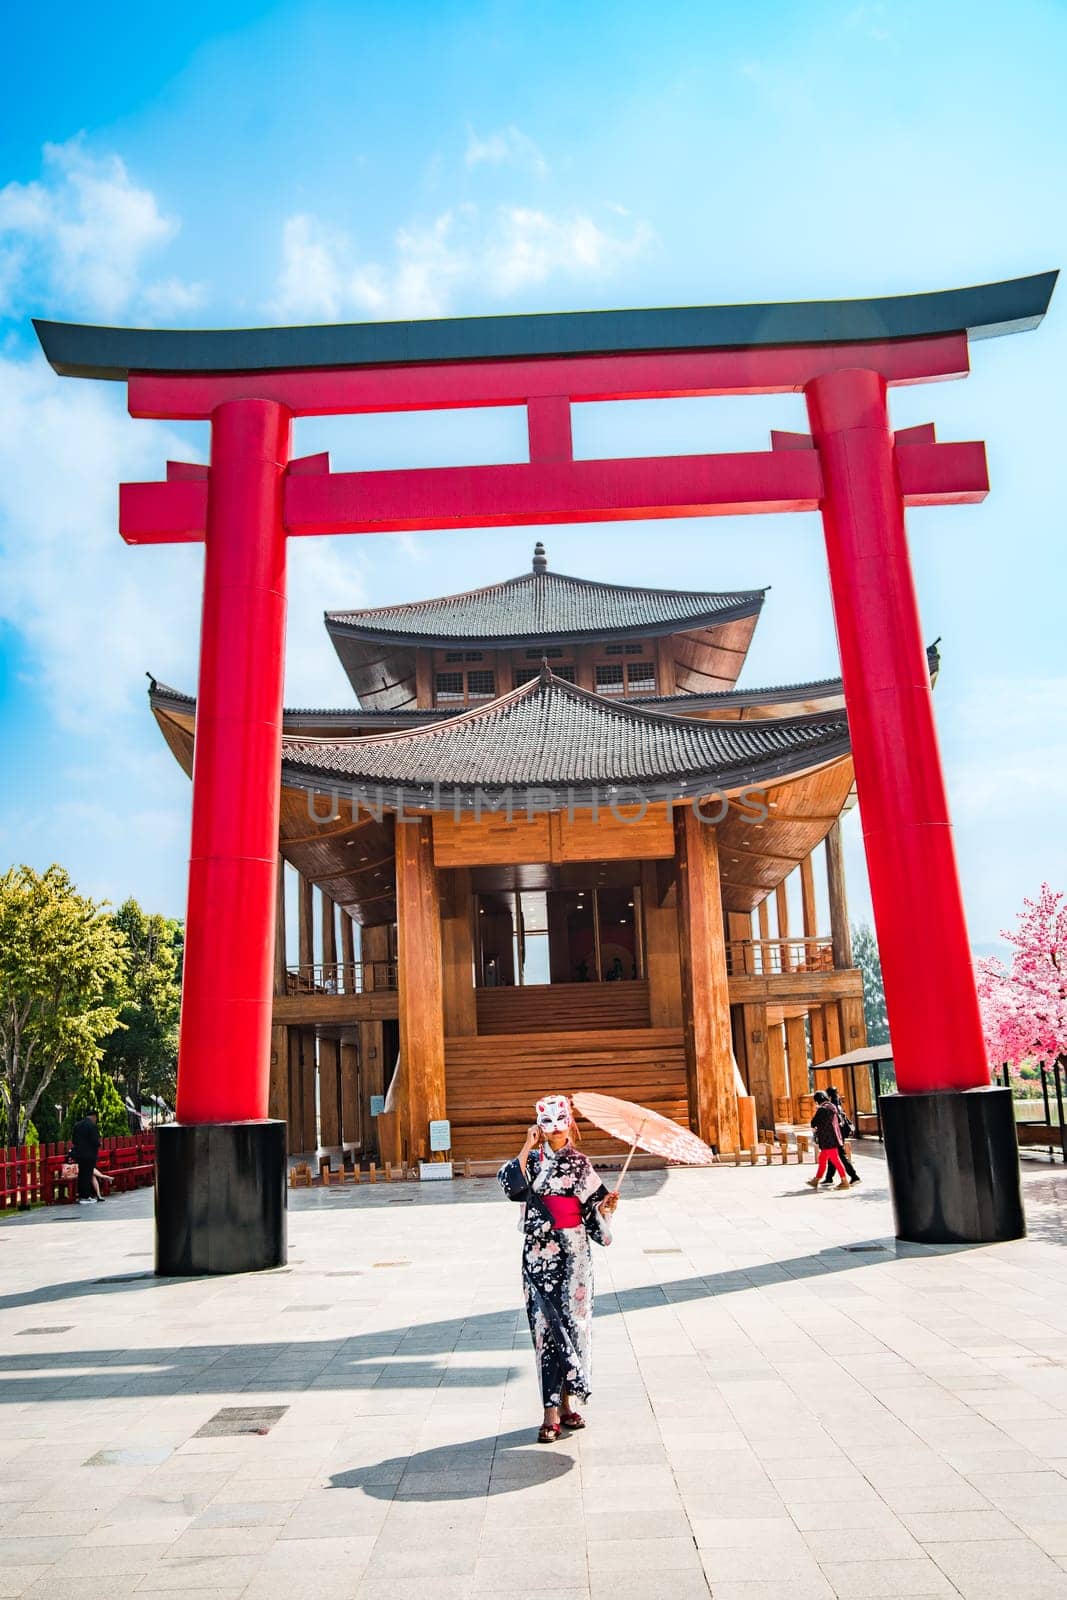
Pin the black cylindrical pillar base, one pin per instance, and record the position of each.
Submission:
(220, 1197)
(953, 1161)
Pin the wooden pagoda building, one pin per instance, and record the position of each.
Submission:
(506, 888)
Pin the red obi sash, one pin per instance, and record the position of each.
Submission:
(563, 1209)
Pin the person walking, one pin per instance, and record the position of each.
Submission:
(827, 1130)
(84, 1149)
(847, 1132)
(566, 1206)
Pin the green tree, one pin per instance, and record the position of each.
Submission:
(866, 957)
(61, 965)
(97, 1092)
(142, 1053)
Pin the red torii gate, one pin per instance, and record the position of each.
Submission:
(953, 1160)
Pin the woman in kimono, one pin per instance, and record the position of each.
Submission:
(566, 1205)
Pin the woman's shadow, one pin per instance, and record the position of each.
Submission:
(500, 1464)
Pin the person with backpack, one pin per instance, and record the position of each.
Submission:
(827, 1130)
(847, 1132)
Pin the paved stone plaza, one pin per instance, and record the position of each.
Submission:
(788, 1404)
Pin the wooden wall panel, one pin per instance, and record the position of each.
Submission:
(663, 964)
(854, 1037)
(759, 1064)
(491, 840)
(457, 953)
(494, 841)
(776, 1057)
(796, 1049)
(562, 1008)
(626, 837)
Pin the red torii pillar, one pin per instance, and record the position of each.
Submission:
(221, 1169)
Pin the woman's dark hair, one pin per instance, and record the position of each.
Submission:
(821, 1096)
(834, 1094)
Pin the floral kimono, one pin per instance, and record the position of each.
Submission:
(557, 1267)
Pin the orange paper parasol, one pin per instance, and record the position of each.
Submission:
(637, 1125)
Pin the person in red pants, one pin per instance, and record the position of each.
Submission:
(826, 1126)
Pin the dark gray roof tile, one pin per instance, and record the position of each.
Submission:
(551, 736)
(542, 607)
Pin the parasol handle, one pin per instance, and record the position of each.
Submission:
(629, 1158)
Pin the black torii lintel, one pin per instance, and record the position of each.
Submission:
(79, 350)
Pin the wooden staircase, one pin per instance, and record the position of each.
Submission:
(492, 1082)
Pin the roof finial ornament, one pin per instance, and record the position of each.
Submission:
(540, 560)
(545, 674)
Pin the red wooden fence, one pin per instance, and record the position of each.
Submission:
(29, 1174)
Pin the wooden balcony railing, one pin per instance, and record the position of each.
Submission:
(340, 977)
(771, 957)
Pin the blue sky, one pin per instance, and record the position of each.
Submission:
(241, 164)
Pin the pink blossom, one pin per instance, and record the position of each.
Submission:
(1024, 1002)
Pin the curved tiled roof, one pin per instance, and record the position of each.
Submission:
(551, 744)
(542, 606)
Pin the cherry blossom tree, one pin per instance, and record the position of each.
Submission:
(1024, 1001)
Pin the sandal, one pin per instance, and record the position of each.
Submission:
(548, 1433)
(572, 1420)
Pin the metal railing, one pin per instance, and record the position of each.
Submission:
(771, 957)
(340, 977)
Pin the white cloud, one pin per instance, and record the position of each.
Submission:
(531, 246)
(505, 146)
(172, 297)
(80, 235)
(504, 250)
(94, 614)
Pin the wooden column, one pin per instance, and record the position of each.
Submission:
(296, 1093)
(759, 1065)
(778, 1073)
(308, 1084)
(739, 925)
(306, 926)
(278, 1091)
(422, 1018)
(348, 952)
(781, 909)
(763, 911)
(796, 1051)
(665, 681)
(424, 678)
(351, 1106)
(840, 932)
(373, 948)
(329, 1049)
(705, 985)
(457, 955)
(662, 959)
(807, 900)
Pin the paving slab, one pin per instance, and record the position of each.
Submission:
(788, 1403)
